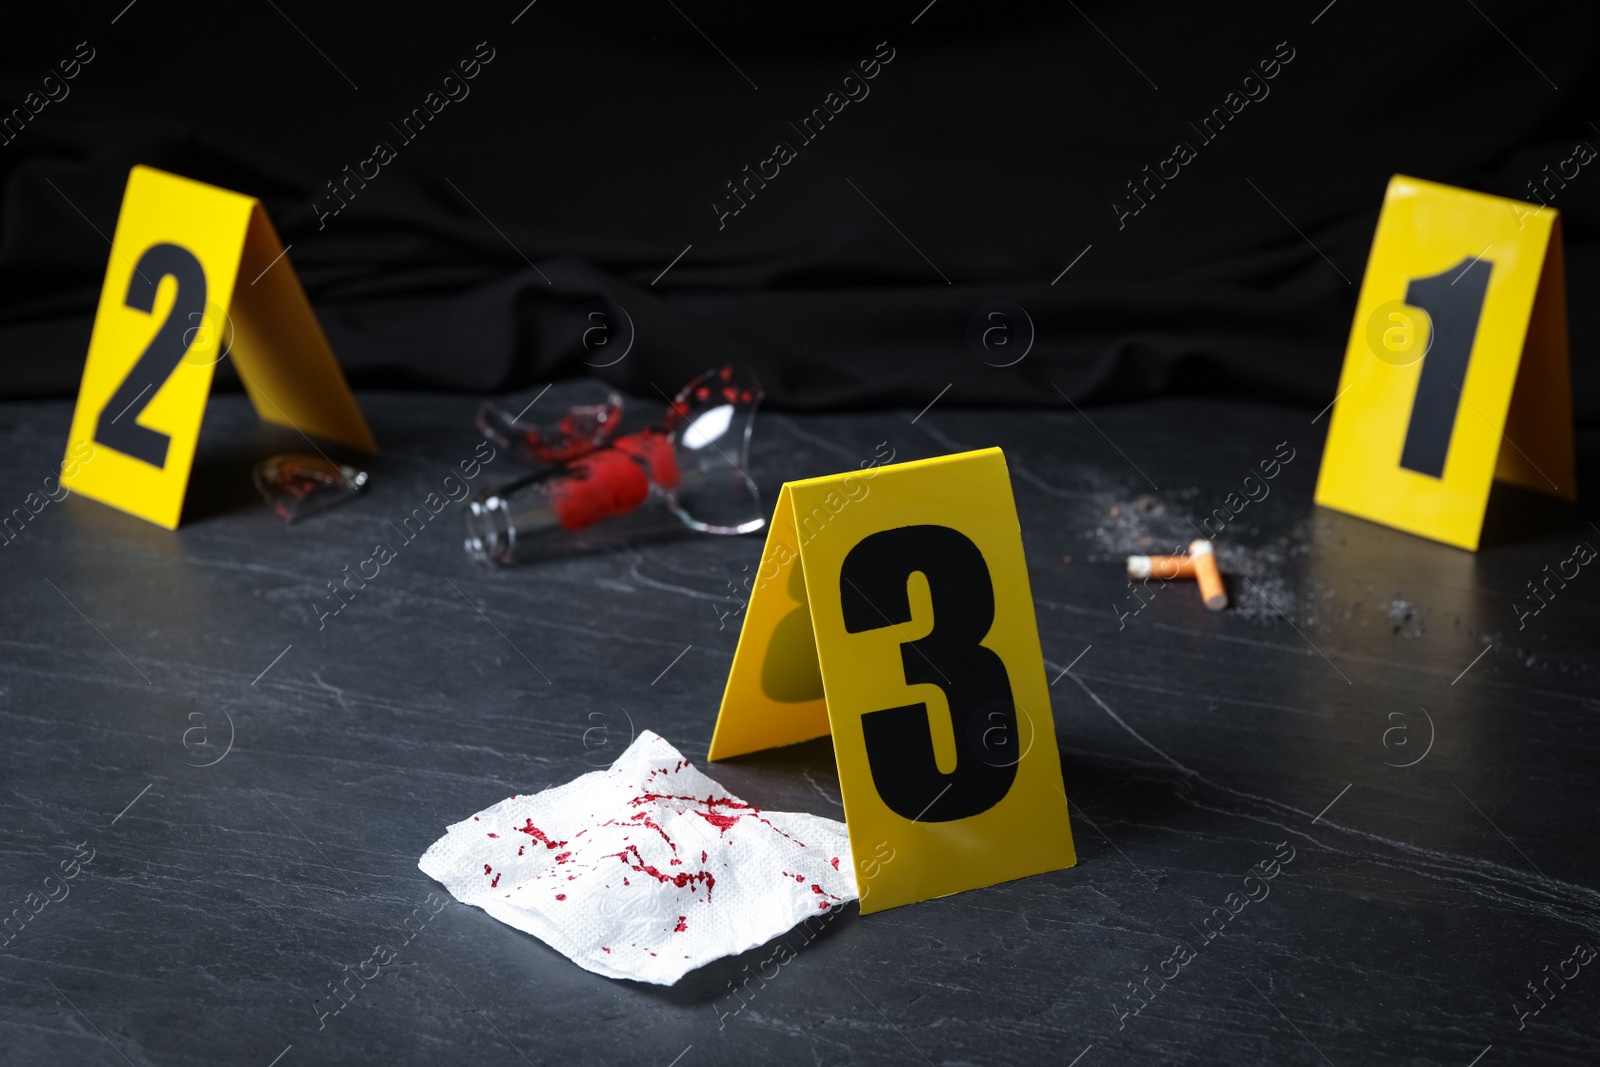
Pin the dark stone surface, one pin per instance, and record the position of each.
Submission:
(223, 899)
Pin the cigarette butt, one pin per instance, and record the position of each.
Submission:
(1205, 569)
(1164, 567)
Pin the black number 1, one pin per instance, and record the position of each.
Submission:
(1454, 302)
(118, 425)
(872, 589)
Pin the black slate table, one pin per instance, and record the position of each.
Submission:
(211, 809)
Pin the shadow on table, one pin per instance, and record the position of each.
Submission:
(1136, 799)
(1516, 515)
(220, 481)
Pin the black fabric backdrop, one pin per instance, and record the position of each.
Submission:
(982, 160)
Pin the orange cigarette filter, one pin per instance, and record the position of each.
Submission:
(1205, 569)
(1163, 567)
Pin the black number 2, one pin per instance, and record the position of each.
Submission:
(118, 425)
(872, 589)
(1454, 302)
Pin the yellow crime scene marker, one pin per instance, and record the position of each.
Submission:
(1456, 370)
(892, 610)
(196, 275)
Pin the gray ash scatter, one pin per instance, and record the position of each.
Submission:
(1517, 648)
(1161, 524)
(1144, 525)
(1257, 588)
(1405, 618)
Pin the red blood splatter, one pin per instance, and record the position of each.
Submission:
(822, 904)
(520, 848)
(604, 949)
(645, 818)
(494, 835)
(496, 883)
(604, 483)
(474, 818)
(563, 857)
(539, 835)
(702, 856)
(561, 896)
(710, 802)
(487, 868)
(613, 480)
(652, 448)
(816, 889)
(836, 863)
(723, 823)
(801, 878)
(681, 879)
(682, 925)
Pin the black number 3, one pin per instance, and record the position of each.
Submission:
(118, 425)
(872, 589)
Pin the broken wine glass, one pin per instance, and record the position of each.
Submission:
(693, 460)
(582, 428)
(297, 485)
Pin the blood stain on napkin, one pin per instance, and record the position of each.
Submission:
(615, 886)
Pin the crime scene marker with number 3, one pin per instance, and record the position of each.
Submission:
(906, 592)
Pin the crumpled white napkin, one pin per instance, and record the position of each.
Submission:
(645, 870)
